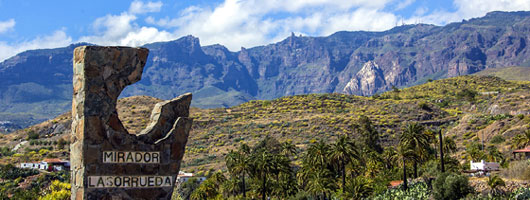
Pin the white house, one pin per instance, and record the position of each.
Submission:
(484, 167)
(51, 164)
(183, 177)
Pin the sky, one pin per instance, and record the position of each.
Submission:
(37, 24)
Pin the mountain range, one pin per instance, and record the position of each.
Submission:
(36, 85)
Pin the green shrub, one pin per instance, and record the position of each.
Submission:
(32, 136)
(497, 139)
(417, 190)
(521, 194)
(451, 186)
(424, 106)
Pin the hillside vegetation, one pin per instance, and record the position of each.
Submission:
(468, 110)
(36, 85)
(463, 106)
(507, 73)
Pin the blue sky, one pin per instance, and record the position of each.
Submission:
(33, 24)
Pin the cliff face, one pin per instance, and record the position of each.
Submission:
(360, 63)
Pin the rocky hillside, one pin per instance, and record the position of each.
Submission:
(468, 108)
(35, 85)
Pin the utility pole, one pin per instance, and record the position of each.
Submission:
(441, 150)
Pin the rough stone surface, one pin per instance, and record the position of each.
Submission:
(100, 75)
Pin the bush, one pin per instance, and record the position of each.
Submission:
(424, 106)
(466, 94)
(57, 191)
(32, 136)
(451, 186)
(417, 190)
(520, 194)
(11, 172)
(517, 170)
(497, 139)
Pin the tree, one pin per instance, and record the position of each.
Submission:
(210, 188)
(341, 153)
(359, 188)
(390, 157)
(369, 135)
(451, 186)
(414, 139)
(404, 153)
(320, 183)
(263, 166)
(449, 145)
(494, 182)
(474, 151)
(521, 140)
(288, 148)
(238, 163)
(316, 172)
(493, 154)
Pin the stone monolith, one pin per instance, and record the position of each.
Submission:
(108, 162)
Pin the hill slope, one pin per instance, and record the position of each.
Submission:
(37, 83)
(508, 73)
(305, 119)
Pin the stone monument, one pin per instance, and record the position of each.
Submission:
(108, 162)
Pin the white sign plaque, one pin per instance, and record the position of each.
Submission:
(131, 157)
(129, 181)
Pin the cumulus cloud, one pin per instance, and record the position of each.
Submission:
(259, 22)
(466, 9)
(256, 22)
(57, 39)
(138, 7)
(248, 23)
(122, 30)
(7, 25)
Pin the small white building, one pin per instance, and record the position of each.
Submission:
(34, 165)
(483, 168)
(183, 177)
(52, 164)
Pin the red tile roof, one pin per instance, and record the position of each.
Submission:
(53, 160)
(395, 183)
(525, 150)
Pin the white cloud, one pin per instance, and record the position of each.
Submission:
(138, 7)
(121, 30)
(404, 4)
(466, 9)
(58, 39)
(255, 22)
(7, 25)
(477, 8)
(249, 23)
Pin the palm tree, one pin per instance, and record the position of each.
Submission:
(318, 154)
(448, 145)
(210, 187)
(494, 182)
(373, 163)
(263, 166)
(414, 139)
(389, 157)
(315, 174)
(288, 148)
(521, 140)
(341, 153)
(493, 154)
(238, 163)
(404, 153)
(320, 183)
